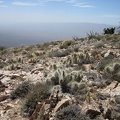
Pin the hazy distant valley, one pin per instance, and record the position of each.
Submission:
(14, 35)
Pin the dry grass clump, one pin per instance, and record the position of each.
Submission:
(66, 44)
(32, 94)
(99, 44)
(71, 112)
(21, 90)
(60, 53)
(38, 93)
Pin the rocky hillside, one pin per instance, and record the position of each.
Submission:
(64, 80)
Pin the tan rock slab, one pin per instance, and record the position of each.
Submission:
(61, 104)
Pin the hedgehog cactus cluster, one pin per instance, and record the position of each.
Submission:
(69, 80)
(79, 58)
(112, 71)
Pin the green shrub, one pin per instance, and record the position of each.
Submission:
(38, 93)
(71, 112)
(1, 65)
(66, 44)
(91, 35)
(4, 51)
(17, 50)
(99, 37)
(103, 63)
(76, 49)
(21, 90)
(99, 45)
(117, 99)
(59, 53)
(109, 30)
(75, 38)
(2, 48)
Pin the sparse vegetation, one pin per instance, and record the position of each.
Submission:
(103, 63)
(71, 80)
(79, 58)
(91, 35)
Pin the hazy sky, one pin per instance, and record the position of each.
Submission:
(93, 11)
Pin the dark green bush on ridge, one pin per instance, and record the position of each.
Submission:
(109, 30)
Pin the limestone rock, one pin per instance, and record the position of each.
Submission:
(61, 104)
(3, 97)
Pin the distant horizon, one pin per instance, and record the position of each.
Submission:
(15, 35)
(56, 22)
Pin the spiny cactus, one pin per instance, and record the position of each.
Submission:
(33, 60)
(75, 76)
(64, 76)
(56, 90)
(73, 86)
(103, 63)
(58, 75)
(112, 71)
(79, 58)
(11, 67)
(19, 59)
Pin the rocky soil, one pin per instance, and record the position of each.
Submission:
(63, 80)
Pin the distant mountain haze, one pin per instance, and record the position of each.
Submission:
(14, 35)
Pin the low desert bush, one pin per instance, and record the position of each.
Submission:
(4, 51)
(103, 63)
(21, 90)
(76, 49)
(59, 53)
(66, 44)
(38, 93)
(109, 30)
(71, 112)
(91, 35)
(99, 44)
(2, 48)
